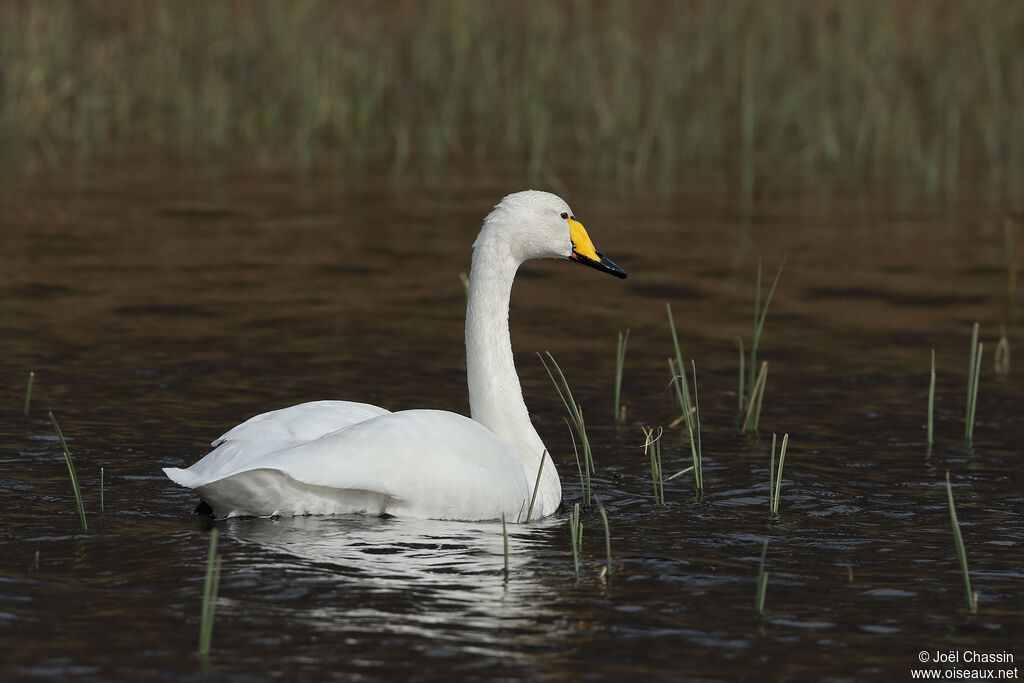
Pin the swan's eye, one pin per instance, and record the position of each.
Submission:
(564, 215)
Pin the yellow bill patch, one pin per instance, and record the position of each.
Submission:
(581, 244)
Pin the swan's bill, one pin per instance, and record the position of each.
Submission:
(584, 251)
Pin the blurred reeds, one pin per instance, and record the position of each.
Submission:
(926, 92)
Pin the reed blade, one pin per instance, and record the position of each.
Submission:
(607, 538)
(972, 605)
(931, 403)
(28, 391)
(71, 471)
(211, 586)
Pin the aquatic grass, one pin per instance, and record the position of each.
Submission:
(34, 567)
(1001, 356)
(28, 391)
(760, 315)
(317, 84)
(742, 377)
(971, 597)
(762, 582)
(210, 587)
(931, 403)
(775, 477)
(753, 415)
(678, 373)
(688, 404)
(607, 540)
(973, 374)
(696, 454)
(504, 538)
(620, 360)
(576, 416)
(71, 471)
(536, 487)
(652, 448)
(576, 536)
(101, 490)
(693, 434)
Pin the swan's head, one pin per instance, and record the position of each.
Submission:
(535, 224)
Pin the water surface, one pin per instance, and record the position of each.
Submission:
(157, 313)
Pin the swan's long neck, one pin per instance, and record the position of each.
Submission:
(495, 395)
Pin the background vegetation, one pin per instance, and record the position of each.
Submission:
(927, 92)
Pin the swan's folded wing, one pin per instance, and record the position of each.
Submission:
(417, 463)
(304, 422)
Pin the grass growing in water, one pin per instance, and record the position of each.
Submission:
(775, 477)
(576, 415)
(536, 486)
(210, 586)
(576, 535)
(652, 447)
(71, 471)
(973, 372)
(28, 391)
(753, 415)
(678, 374)
(760, 315)
(688, 404)
(931, 403)
(972, 598)
(620, 360)
(607, 540)
(762, 582)
(504, 538)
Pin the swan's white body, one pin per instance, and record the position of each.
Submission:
(330, 457)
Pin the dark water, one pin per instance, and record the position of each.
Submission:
(158, 314)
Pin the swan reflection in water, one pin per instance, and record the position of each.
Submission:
(440, 580)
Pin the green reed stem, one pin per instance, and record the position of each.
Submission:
(536, 487)
(679, 372)
(739, 394)
(972, 598)
(760, 314)
(620, 361)
(576, 415)
(931, 403)
(652, 447)
(762, 581)
(504, 537)
(584, 472)
(753, 417)
(973, 374)
(775, 477)
(576, 534)
(210, 587)
(696, 454)
(607, 537)
(71, 471)
(28, 391)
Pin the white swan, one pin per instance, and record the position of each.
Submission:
(329, 457)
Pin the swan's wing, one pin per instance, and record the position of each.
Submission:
(304, 422)
(279, 430)
(417, 463)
